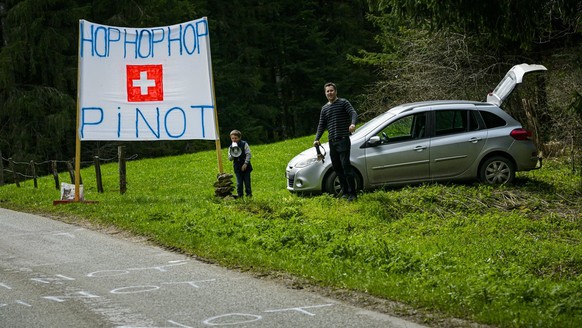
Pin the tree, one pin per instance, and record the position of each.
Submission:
(454, 49)
(38, 78)
(527, 24)
(273, 57)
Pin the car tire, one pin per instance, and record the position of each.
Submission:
(497, 170)
(331, 184)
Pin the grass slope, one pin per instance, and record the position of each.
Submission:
(508, 256)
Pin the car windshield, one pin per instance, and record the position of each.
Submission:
(367, 127)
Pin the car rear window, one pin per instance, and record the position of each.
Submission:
(492, 120)
(455, 121)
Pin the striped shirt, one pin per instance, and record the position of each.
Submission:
(336, 117)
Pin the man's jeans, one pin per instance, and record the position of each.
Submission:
(339, 151)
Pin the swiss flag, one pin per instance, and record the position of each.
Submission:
(144, 83)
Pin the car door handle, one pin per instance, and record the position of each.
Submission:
(419, 148)
(474, 140)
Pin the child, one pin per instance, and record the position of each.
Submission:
(241, 163)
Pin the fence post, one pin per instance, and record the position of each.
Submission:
(122, 170)
(98, 174)
(71, 172)
(55, 174)
(33, 170)
(1, 169)
(71, 169)
(11, 163)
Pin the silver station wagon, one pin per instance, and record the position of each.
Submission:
(443, 140)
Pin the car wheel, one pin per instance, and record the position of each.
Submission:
(332, 185)
(497, 170)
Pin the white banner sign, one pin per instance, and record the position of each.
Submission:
(145, 83)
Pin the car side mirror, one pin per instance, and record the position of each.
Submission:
(374, 141)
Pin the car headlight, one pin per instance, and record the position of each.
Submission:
(306, 162)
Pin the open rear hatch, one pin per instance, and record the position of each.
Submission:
(513, 77)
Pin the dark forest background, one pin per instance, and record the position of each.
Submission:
(271, 59)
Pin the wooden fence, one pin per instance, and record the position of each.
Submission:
(31, 170)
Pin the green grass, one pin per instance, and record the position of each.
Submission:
(507, 256)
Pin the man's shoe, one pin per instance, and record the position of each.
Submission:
(345, 196)
(351, 198)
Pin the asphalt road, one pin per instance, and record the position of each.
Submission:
(54, 274)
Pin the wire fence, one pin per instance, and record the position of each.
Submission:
(17, 171)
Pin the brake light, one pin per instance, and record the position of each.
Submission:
(520, 134)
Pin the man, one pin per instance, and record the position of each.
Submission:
(339, 118)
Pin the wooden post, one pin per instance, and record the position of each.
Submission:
(98, 174)
(533, 124)
(13, 169)
(71, 172)
(1, 169)
(122, 170)
(33, 170)
(572, 155)
(55, 174)
(217, 141)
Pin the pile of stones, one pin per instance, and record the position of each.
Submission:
(224, 186)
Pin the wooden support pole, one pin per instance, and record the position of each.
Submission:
(98, 174)
(34, 177)
(55, 174)
(71, 172)
(122, 170)
(13, 169)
